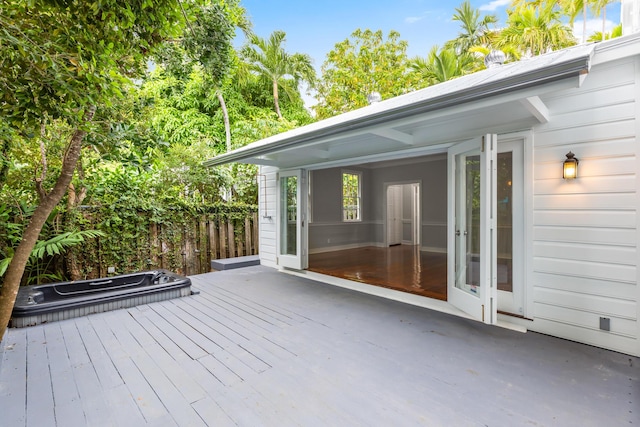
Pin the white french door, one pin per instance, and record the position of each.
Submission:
(292, 227)
(472, 229)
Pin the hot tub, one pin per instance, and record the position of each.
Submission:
(58, 301)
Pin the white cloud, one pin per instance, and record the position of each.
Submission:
(413, 19)
(491, 6)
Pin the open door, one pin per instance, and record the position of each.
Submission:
(292, 227)
(472, 227)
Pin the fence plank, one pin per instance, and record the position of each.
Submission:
(232, 239)
(247, 236)
(213, 239)
(203, 254)
(256, 235)
(223, 239)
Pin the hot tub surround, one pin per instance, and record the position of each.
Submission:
(58, 301)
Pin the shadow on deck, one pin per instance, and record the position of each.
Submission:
(258, 347)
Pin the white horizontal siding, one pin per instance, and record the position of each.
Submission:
(585, 235)
(585, 231)
(584, 285)
(268, 199)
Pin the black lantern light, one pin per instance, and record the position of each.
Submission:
(570, 166)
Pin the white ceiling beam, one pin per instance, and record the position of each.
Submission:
(395, 135)
(536, 107)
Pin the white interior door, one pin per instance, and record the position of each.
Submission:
(292, 227)
(472, 228)
(394, 215)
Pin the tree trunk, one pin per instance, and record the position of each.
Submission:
(604, 22)
(74, 199)
(275, 98)
(225, 117)
(14, 272)
(584, 21)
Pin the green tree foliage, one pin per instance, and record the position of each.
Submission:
(268, 60)
(60, 61)
(366, 62)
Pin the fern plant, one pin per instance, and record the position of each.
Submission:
(56, 245)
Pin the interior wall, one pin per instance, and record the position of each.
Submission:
(433, 176)
(328, 232)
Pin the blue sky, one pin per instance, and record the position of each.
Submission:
(315, 26)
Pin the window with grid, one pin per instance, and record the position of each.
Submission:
(351, 196)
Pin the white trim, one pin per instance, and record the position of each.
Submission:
(325, 249)
(433, 249)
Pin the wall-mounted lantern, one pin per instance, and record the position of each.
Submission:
(570, 166)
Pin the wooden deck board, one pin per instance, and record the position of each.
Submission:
(39, 387)
(283, 350)
(174, 371)
(65, 391)
(13, 373)
(95, 347)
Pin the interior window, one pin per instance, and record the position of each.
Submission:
(351, 196)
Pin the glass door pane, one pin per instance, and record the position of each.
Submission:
(289, 215)
(505, 221)
(468, 231)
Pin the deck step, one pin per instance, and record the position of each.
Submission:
(237, 262)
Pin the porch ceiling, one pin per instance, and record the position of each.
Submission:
(422, 134)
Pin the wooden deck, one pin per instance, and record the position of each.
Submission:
(262, 348)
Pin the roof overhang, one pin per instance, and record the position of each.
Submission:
(496, 100)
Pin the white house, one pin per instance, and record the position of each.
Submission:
(471, 170)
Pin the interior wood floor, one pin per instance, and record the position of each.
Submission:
(403, 267)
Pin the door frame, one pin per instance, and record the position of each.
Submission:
(526, 138)
(480, 304)
(514, 302)
(299, 261)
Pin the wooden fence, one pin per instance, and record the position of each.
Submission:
(206, 239)
(185, 249)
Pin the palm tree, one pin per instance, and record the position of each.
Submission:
(535, 30)
(569, 8)
(442, 65)
(268, 59)
(474, 29)
(600, 36)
